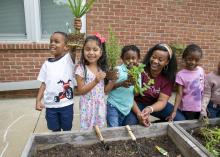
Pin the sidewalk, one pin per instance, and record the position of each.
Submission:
(18, 119)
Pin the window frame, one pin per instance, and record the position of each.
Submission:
(33, 24)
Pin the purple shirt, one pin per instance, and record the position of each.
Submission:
(193, 86)
(161, 85)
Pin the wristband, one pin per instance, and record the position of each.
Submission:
(152, 109)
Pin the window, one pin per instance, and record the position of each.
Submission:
(12, 22)
(33, 20)
(54, 18)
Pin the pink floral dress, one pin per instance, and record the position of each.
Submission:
(92, 104)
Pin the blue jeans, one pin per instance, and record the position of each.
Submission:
(213, 111)
(114, 116)
(131, 118)
(59, 118)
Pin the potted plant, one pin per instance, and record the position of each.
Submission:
(113, 50)
(78, 9)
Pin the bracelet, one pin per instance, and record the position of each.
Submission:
(152, 109)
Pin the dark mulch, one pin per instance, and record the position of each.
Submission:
(115, 149)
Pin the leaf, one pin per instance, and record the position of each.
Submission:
(78, 9)
(113, 49)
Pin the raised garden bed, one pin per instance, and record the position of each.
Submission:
(191, 129)
(86, 144)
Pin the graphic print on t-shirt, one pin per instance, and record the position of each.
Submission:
(195, 87)
(66, 93)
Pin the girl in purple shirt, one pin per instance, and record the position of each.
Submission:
(190, 84)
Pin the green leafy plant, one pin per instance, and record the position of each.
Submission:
(177, 48)
(212, 139)
(79, 9)
(113, 49)
(134, 75)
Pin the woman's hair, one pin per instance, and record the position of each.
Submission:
(102, 61)
(128, 48)
(170, 71)
(191, 49)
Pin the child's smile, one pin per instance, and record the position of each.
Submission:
(192, 60)
(57, 45)
(92, 52)
(130, 58)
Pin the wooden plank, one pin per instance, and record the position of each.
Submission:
(29, 147)
(187, 125)
(184, 144)
(200, 146)
(109, 134)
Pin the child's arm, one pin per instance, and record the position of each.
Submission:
(113, 85)
(83, 88)
(39, 106)
(206, 98)
(178, 99)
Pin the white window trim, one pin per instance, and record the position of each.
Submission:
(33, 24)
(32, 18)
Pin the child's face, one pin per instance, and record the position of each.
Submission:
(158, 60)
(192, 60)
(57, 45)
(92, 52)
(130, 58)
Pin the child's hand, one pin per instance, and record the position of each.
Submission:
(126, 83)
(171, 116)
(39, 106)
(100, 76)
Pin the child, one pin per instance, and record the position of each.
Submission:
(190, 84)
(211, 99)
(90, 76)
(57, 77)
(121, 97)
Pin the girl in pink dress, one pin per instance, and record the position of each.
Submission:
(90, 76)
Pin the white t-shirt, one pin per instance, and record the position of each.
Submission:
(58, 75)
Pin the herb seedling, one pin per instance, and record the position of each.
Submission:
(212, 139)
(134, 76)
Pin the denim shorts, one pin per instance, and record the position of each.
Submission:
(213, 110)
(60, 118)
(114, 116)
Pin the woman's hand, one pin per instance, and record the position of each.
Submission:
(171, 116)
(143, 117)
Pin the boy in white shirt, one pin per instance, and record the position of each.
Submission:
(57, 77)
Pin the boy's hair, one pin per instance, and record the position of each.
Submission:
(190, 49)
(63, 34)
(128, 48)
(170, 72)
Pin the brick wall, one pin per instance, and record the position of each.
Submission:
(140, 22)
(147, 22)
(21, 62)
